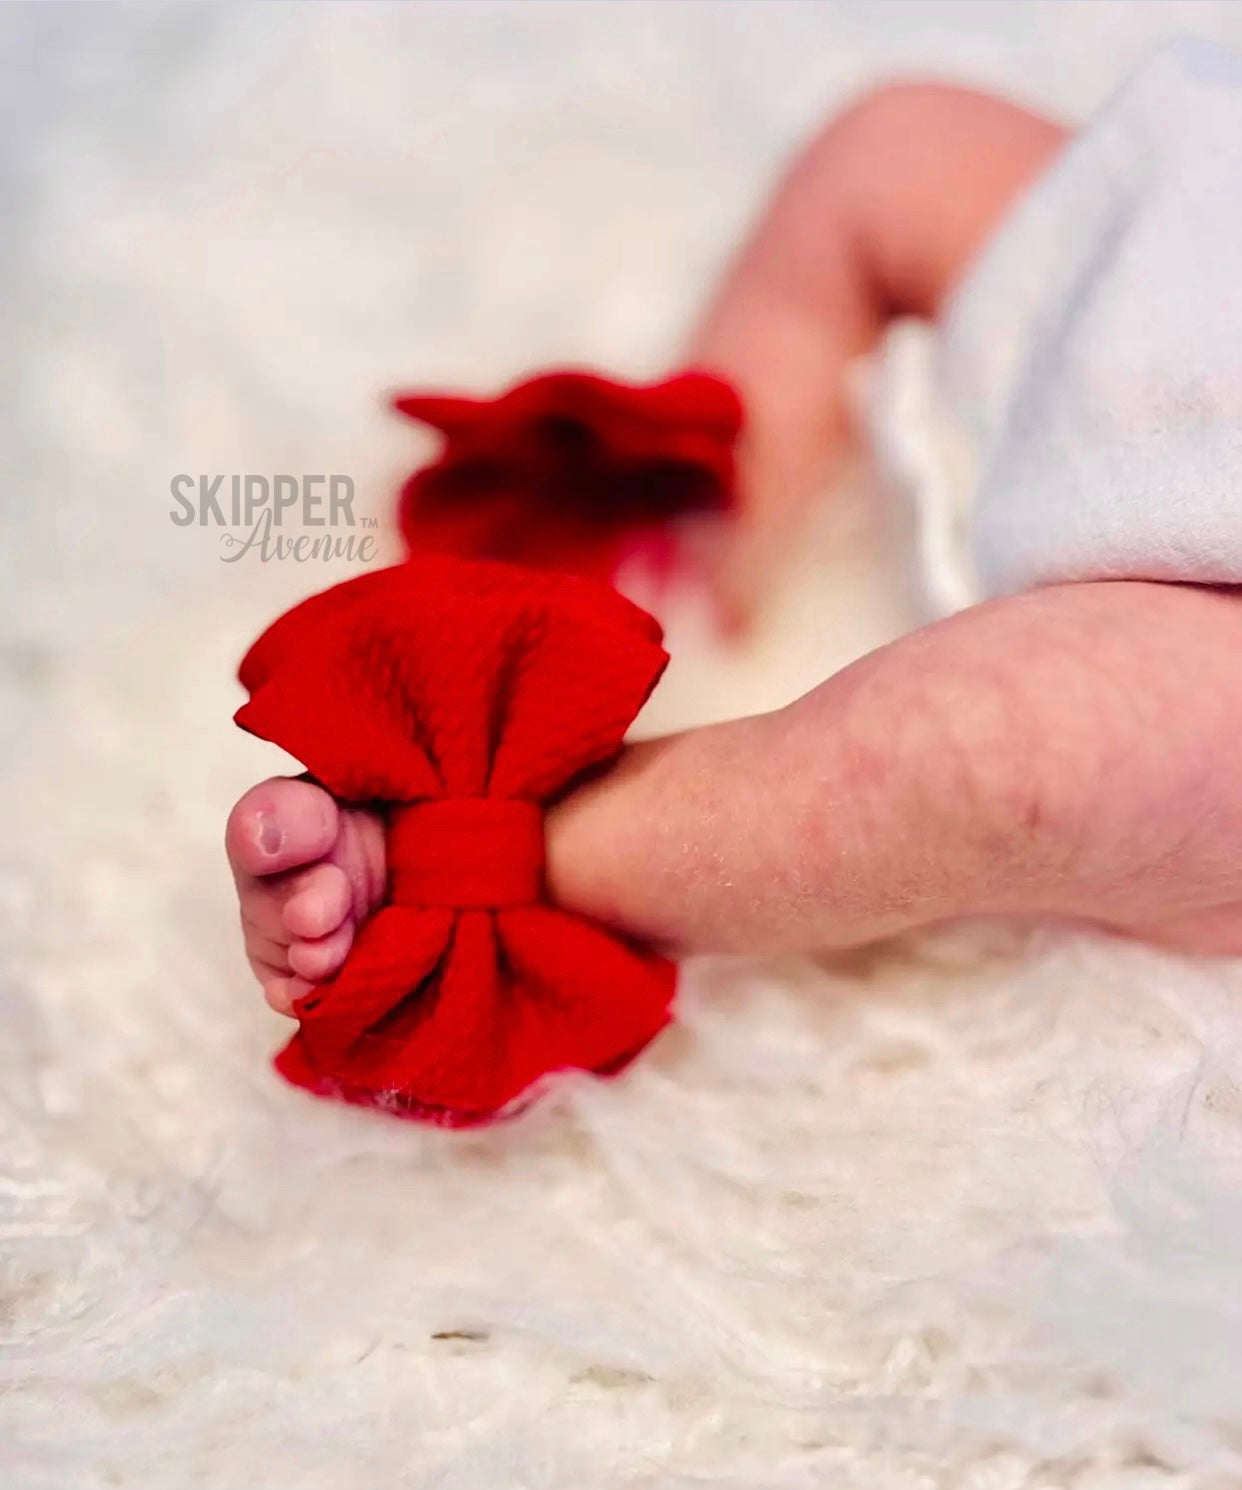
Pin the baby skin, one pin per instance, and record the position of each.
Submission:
(1071, 753)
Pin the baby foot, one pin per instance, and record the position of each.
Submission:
(309, 872)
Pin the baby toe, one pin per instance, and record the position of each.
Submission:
(279, 825)
(321, 901)
(268, 954)
(282, 993)
(317, 960)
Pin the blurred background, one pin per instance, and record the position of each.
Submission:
(228, 229)
(802, 1243)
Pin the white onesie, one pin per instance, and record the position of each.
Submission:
(1079, 413)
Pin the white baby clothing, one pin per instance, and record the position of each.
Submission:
(1078, 414)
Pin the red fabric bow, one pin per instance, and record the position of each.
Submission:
(570, 470)
(463, 696)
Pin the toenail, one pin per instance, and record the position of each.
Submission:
(271, 834)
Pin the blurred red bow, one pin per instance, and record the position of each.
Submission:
(464, 696)
(570, 470)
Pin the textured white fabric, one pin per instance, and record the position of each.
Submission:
(956, 1215)
(1080, 415)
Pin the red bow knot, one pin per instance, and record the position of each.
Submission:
(461, 698)
(468, 853)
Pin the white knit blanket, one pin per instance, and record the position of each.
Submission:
(961, 1213)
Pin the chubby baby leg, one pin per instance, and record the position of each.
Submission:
(1067, 753)
(880, 216)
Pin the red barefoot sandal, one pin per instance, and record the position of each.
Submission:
(462, 697)
(570, 470)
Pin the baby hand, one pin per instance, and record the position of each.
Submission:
(308, 873)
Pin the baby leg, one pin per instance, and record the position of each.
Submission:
(879, 217)
(1067, 753)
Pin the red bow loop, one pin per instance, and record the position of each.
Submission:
(461, 697)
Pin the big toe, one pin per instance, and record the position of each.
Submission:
(279, 825)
